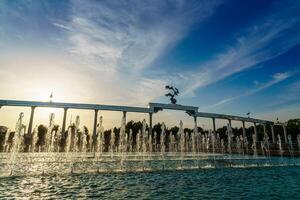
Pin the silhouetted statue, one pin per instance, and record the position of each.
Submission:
(174, 92)
(51, 96)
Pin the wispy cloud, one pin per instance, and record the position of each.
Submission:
(288, 98)
(131, 35)
(285, 105)
(119, 40)
(62, 26)
(276, 78)
(273, 36)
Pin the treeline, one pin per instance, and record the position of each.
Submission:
(38, 142)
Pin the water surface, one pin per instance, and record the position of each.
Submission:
(220, 183)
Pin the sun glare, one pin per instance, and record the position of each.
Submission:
(47, 92)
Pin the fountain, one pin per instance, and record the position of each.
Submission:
(181, 142)
(112, 143)
(122, 142)
(222, 146)
(265, 146)
(6, 142)
(130, 140)
(254, 148)
(76, 134)
(50, 134)
(290, 144)
(238, 144)
(52, 150)
(100, 136)
(279, 145)
(230, 136)
(246, 145)
(17, 142)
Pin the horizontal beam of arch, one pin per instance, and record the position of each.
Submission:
(232, 117)
(153, 108)
(73, 106)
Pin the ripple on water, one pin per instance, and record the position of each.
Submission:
(255, 183)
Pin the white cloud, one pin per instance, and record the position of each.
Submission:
(62, 26)
(119, 41)
(130, 35)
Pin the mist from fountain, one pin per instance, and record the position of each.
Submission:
(171, 143)
(6, 142)
(76, 135)
(213, 141)
(17, 142)
(130, 136)
(138, 142)
(122, 141)
(68, 140)
(229, 138)
(242, 140)
(162, 143)
(222, 146)
(144, 142)
(100, 136)
(279, 145)
(266, 145)
(150, 144)
(84, 143)
(246, 145)
(112, 143)
(181, 142)
(50, 134)
(34, 140)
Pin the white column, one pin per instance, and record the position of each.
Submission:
(63, 129)
(124, 115)
(244, 130)
(94, 138)
(214, 125)
(229, 121)
(150, 123)
(31, 120)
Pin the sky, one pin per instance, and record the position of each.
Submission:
(229, 57)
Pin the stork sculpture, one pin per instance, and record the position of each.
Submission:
(173, 92)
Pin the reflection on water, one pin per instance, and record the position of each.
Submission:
(222, 183)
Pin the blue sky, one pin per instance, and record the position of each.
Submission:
(224, 56)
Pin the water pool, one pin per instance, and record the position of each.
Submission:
(218, 183)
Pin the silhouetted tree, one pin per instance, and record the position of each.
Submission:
(41, 141)
(293, 128)
(3, 132)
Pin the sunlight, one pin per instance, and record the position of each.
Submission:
(43, 91)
